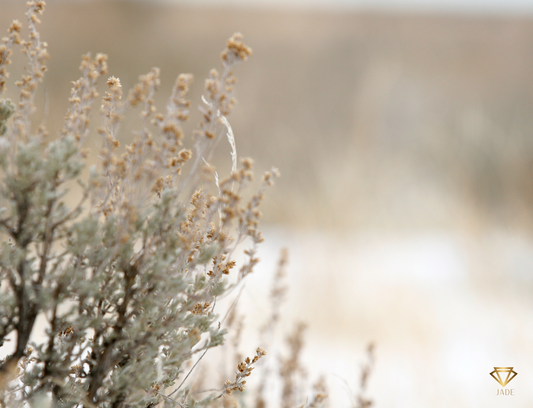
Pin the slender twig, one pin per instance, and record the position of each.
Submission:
(189, 373)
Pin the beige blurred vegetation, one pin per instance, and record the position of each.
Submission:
(374, 119)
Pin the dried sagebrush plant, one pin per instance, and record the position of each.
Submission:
(127, 279)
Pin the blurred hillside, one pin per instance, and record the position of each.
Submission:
(375, 120)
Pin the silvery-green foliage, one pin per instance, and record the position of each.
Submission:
(127, 277)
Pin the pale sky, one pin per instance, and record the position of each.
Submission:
(461, 6)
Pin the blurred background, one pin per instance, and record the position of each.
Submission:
(403, 130)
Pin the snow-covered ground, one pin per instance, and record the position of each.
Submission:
(443, 309)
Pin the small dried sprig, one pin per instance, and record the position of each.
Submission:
(37, 54)
(82, 95)
(219, 101)
(278, 292)
(362, 401)
(319, 395)
(244, 369)
(249, 221)
(277, 298)
(172, 156)
(290, 367)
(6, 50)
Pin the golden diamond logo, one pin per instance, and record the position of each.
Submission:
(500, 373)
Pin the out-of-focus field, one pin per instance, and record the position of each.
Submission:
(374, 119)
(405, 144)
